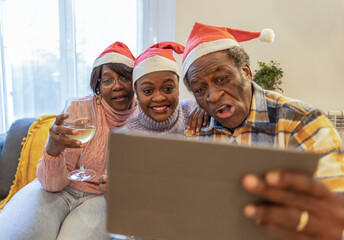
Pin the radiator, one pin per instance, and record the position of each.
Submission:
(337, 119)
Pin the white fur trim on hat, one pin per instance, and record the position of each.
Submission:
(267, 35)
(113, 58)
(155, 64)
(205, 48)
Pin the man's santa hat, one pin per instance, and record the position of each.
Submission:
(158, 57)
(206, 39)
(117, 52)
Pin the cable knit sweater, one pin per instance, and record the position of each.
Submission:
(175, 124)
(52, 171)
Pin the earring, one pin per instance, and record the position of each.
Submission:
(98, 97)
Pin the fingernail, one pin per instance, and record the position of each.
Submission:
(250, 211)
(273, 177)
(188, 127)
(197, 129)
(192, 132)
(251, 181)
(74, 131)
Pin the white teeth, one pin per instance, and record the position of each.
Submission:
(219, 109)
(159, 108)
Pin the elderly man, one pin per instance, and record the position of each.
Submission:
(217, 71)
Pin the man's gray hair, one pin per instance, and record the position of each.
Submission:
(237, 53)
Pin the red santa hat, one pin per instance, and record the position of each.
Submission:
(206, 39)
(117, 52)
(158, 57)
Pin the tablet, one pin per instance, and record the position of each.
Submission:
(176, 188)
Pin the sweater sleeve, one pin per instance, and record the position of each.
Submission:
(52, 171)
(188, 105)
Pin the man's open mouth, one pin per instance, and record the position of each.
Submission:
(225, 111)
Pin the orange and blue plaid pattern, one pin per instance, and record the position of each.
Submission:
(281, 122)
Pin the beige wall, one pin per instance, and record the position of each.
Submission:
(309, 41)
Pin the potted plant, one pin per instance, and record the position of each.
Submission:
(269, 75)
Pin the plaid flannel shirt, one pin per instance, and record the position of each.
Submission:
(282, 122)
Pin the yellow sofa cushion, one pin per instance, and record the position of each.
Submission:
(30, 154)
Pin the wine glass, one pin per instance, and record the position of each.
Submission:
(82, 118)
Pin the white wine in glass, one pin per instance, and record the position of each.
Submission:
(82, 118)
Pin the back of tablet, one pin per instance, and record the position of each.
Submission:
(170, 188)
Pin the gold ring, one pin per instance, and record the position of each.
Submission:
(303, 221)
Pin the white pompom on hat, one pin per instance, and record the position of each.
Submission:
(158, 57)
(117, 52)
(205, 39)
(267, 35)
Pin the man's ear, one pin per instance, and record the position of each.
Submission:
(247, 71)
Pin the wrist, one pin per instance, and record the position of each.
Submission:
(53, 150)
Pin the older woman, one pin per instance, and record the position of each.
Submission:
(53, 207)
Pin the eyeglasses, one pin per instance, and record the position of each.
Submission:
(109, 83)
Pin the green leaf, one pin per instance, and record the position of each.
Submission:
(269, 75)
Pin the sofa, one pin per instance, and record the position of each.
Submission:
(10, 145)
(20, 150)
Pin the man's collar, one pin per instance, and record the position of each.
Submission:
(259, 115)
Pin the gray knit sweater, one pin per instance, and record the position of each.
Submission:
(175, 124)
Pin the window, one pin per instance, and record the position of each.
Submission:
(47, 49)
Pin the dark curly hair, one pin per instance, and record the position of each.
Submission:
(237, 53)
(119, 68)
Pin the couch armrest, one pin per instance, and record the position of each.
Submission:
(11, 153)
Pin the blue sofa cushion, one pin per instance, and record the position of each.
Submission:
(11, 153)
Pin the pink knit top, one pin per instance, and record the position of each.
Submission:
(52, 171)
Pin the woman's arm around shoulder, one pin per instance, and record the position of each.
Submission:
(195, 116)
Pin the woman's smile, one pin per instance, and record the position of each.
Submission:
(160, 109)
(120, 98)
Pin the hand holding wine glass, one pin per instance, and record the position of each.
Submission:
(82, 119)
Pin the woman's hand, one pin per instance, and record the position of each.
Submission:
(197, 119)
(293, 194)
(103, 180)
(57, 140)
